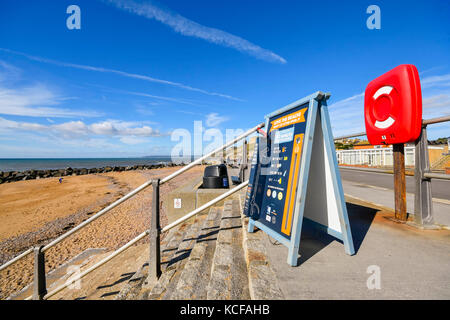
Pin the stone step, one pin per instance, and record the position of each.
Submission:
(169, 246)
(134, 285)
(59, 276)
(210, 257)
(194, 278)
(262, 280)
(228, 278)
(169, 278)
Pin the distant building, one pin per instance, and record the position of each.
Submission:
(365, 154)
(364, 144)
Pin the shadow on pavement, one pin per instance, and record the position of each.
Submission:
(360, 218)
(313, 240)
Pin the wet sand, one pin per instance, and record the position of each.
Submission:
(36, 211)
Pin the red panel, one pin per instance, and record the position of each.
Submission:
(393, 106)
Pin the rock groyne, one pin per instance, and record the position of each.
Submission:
(11, 176)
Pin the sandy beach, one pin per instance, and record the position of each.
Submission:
(36, 211)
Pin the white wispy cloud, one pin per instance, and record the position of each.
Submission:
(431, 70)
(441, 80)
(13, 126)
(214, 119)
(191, 28)
(35, 100)
(39, 146)
(189, 112)
(131, 131)
(8, 72)
(152, 96)
(133, 140)
(143, 110)
(347, 115)
(70, 129)
(440, 101)
(118, 72)
(147, 95)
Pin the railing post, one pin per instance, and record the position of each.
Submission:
(423, 204)
(399, 182)
(40, 288)
(244, 163)
(155, 232)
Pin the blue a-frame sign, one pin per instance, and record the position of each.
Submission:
(295, 177)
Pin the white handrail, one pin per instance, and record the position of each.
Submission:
(97, 215)
(205, 206)
(20, 256)
(142, 235)
(131, 194)
(97, 265)
(199, 160)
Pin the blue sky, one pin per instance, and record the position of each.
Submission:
(138, 70)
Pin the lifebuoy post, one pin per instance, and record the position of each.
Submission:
(393, 115)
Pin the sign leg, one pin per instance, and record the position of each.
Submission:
(251, 225)
(292, 259)
(336, 179)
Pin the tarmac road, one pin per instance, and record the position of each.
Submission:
(440, 188)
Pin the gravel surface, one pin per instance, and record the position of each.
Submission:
(110, 231)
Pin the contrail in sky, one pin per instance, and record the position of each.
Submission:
(118, 72)
(191, 28)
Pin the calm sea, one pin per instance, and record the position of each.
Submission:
(44, 164)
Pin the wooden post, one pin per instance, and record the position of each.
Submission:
(399, 182)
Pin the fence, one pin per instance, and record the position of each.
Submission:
(383, 157)
(380, 157)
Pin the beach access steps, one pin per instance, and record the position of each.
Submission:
(210, 256)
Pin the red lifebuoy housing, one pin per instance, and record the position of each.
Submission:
(393, 106)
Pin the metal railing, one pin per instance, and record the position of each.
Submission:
(423, 204)
(425, 122)
(431, 175)
(423, 211)
(40, 291)
(141, 236)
